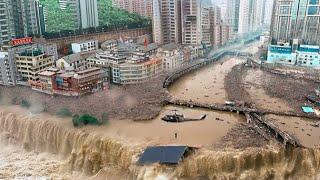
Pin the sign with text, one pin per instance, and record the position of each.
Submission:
(21, 41)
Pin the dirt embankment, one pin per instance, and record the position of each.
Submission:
(136, 102)
(293, 91)
(285, 88)
(234, 85)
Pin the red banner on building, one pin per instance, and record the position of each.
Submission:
(21, 41)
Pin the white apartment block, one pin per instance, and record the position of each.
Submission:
(84, 46)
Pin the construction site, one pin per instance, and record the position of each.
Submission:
(230, 116)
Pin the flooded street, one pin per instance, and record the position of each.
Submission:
(205, 85)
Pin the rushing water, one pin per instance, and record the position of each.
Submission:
(205, 85)
(96, 155)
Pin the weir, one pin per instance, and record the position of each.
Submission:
(92, 154)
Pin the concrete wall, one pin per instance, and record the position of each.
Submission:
(101, 37)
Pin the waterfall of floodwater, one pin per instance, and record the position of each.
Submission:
(93, 154)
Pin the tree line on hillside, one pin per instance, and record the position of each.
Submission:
(60, 23)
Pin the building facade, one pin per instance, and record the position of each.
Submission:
(32, 61)
(20, 18)
(85, 46)
(167, 21)
(172, 56)
(141, 7)
(191, 22)
(296, 19)
(8, 72)
(303, 55)
(88, 13)
(54, 81)
(128, 63)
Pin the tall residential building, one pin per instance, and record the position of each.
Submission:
(167, 21)
(206, 32)
(244, 13)
(232, 15)
(268, 12)
(157, 22)
(6, 25)
(88, 13)
(250, 15)
(84, 12)
(191, 22)
(73, 6)
(215, 22)
(296, 19)
(141, 7)
(20, 18)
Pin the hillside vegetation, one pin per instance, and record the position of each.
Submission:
(109, 17)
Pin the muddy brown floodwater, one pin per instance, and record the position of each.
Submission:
(198, 133)
(205, 85)
(302, 129)
(253, 85)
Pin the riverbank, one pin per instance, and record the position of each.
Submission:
(136, 102)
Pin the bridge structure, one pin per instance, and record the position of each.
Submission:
(254, 117)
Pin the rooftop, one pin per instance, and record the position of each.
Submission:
(31, 52)
(169, 47)
(309, 48)
(47, 73)
(149, 47)
(87, 41)
(78, 56)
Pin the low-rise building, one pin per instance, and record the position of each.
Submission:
(85, 46)
(303, 55)
(54, 81)
(281, 54)
(128, 63)
(110, 44)
(75, 61)
(308, 56)
(171, 56)
(32, 61)
(8, 67)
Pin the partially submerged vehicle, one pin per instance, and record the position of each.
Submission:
(178, 118)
